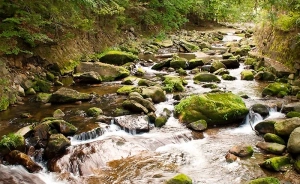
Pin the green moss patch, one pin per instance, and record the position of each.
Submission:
(117, 57)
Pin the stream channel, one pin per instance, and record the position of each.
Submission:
(153, 157)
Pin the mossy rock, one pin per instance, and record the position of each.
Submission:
(231, 63)
(181, 72)
(276, 89)
(276, 163)
(160, 121)
(297, 165)
(10, 142)
(221, 71)
(125, 90)
(121, 112)
(271, 147)
(242, 150)
(250, 61)
(227, 55)
(134, 106)
(269, 137)
(228, 77)
(164, 43)
(247, 75)
(67, 95)
(261, 109)
(193, 63)
(140, 72)
(210, 85)
(41, 86)
(94, 111)
(265, 76)
(177, 63)
(50, 76)
(68, 67)
(43, 97)
(58, 113)
(115, 57)
(57, 145)
(30, 91)
(129, 80)
(190, 47)
(173, 83)
(146, 82)
(62, 126)
(4, 102)
(162, 64)
(293, 145)
(156, 93)
(216, 65)
(214, 108)
(206, 77)
(287, 126)
(88, 77)
(266, 126)
(293, 114)
(180, 179)
(198, 125)
(266, 180)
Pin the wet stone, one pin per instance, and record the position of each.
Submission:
(133, 122)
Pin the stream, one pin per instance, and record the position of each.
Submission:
(125, 157)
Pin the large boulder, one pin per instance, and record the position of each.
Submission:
(206, 77)
(117, 57)
(276, 89)
(88, 77)
(136, 123)
(17, 157)
(293, 145)
(57, 144)
(180, 179)
(155, 93)
(273, 148)
(286, 126)
(67, 95)
(177, 63)
(214, 108)
(216, 65)
(106, 71)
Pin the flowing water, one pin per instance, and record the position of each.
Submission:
(104, 153)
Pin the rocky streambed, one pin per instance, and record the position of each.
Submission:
(194, 107)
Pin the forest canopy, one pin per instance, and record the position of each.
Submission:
(27, 23)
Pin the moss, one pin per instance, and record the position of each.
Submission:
(266, 180)
(297, 165)
(247, 75)
(193, 63)
(250, 61)
(116, 57)
(180, 179)
(173, 83)
(41, 86)
(214, 108)
(4, 102)
(206, 77)
(190, 47)
(276, 163)
(181, 72)
(293, 114)
(94, 111)
(269, 137)
(69, 67)
(129, 80)
(12, 141)
(228, 77)
(124, 90)
(276, 89)
(140, 72)
(50, 76)
(43, 97)
(160, 121)
(145, 82)
(178, 63)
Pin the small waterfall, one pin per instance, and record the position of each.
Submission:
(92, 134)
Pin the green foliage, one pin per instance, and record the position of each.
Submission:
(11, 141)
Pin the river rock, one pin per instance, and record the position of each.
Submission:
(67, 95)
(293, 145)
(228, 77)
(130, 80)
(160, 121)
(188, 46)
(227, 55)
(293, 114)
(276, 89)
(286, 126)
(221, 71)
(58, 113)
(220, 108)
(198, 125)
(247, 75)
(164, 43)
(106, 71)
(146, 103)
(193, 63)
(206, 77)
(231, 63)
(276, 163)
(134, 106)
(216, 65)
(265, 76)
(88, 77)
(63, 127)
(180, 179)
(173, 83)
(155, 93)
(266, 126)
(242, 150)
(125, 90)
(57, 145)
(17, 157)
(43, 97)
(230, 157)
(177, 63)
(291, 107)
(162, 64)
(94, 111)
(133, 122)
(267, 180)
(273, 148)
(115, 57)
(261, 109)
(269, 137)
(146, 82)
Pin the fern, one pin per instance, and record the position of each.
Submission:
(11, 141)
